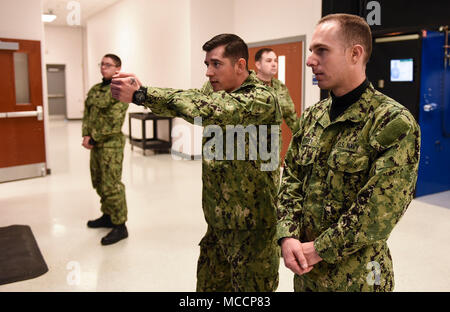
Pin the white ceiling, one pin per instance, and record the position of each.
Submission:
(88, 8)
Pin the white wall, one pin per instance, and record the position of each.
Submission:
(21, 19)
(257, 20)
(64, 45)
(208, 18)
(152, 38)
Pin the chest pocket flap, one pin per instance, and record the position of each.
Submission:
(351, 162)
(100, 99)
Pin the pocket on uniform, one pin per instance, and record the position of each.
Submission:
(347, 161)
(347, 174)
(101, 100)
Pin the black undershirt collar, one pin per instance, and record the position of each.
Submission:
(341, 103)
(106, 82)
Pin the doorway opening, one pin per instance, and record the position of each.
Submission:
(56, 88)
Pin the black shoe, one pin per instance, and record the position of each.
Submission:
(117, 233)
(103, 221)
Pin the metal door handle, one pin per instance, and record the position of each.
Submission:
(55, 96)
(430, 107)
(37, 113)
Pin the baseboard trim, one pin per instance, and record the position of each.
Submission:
(185, 156)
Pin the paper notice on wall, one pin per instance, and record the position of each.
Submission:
(282, 68)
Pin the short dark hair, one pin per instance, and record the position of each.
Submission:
(354, 30)
(235, 47)
(115, 59)
(260, 52)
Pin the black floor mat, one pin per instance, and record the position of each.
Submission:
(20, 257)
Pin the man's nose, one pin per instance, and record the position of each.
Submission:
(311, 61)
(209, 72)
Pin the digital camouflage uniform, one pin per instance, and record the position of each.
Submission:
(239, 251)
(286, 104)
(102, 121)
(345, 186)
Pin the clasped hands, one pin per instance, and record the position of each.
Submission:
(123, 86)
(299, 257)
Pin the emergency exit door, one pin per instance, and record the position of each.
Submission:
(292, 55)
(22, 152)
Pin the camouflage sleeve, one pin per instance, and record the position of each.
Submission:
(217, 108)
(207, 88)
(287, 107)
(290, 195)
(385, 197)
(85, 124)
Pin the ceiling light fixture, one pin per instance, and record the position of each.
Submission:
(48, 17)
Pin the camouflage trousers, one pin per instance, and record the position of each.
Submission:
(239, 261)
(106, 175)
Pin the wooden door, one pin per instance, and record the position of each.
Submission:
(22, 152)
(293, 54)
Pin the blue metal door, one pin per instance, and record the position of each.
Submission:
(434, 117)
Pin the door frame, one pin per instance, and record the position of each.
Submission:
(64, 65)
(293, 39)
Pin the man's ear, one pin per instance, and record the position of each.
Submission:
(241, 65)
(258, 65)
(357, 53)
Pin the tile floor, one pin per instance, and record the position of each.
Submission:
(165, 225)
